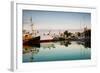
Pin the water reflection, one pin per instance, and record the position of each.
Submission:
(66, 43)
(86, 43)
(49, 45)
(52, 51)
(32, 50)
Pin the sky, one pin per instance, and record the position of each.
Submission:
(56, 20)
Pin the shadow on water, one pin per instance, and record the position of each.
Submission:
(85, 43)
(33, 50)
(65, 43)
(47, 45)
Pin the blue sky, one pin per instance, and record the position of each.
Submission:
(56, 20)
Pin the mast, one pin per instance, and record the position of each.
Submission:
(32, 26)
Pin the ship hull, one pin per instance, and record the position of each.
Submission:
(35, 41)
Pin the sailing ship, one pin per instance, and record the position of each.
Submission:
(31, 38)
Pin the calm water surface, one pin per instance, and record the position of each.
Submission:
(57, 51)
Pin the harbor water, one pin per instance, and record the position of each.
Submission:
(56, 51)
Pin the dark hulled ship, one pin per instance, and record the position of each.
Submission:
(31, 38)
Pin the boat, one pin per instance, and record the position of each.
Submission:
(35, 41)
(31, 39)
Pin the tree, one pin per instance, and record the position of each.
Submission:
(69, 34)
(78, 34)
(87, 33)
(66, 33)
